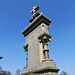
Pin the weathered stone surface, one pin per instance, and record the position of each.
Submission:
(35, 45)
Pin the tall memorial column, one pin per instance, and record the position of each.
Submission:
(36, 38)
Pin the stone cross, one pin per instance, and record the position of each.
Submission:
(35, 8)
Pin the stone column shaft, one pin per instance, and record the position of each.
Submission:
(46, 50)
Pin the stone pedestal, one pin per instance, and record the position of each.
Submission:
(37, 36)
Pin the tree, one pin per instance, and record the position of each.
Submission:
(2, 72)
(18, 72)
(0, 68)
(63, 73)
(9, 73)
(5, 73)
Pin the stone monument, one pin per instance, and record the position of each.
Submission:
(37, 36)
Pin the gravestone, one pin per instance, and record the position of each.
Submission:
(36, 38)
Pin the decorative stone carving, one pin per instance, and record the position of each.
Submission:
(44, 38)
(35, 8)
(26, 49)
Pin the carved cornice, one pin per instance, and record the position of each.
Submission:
(34, 16)
(44, 34)
(44, 38)
(36, 22)
(26, 47)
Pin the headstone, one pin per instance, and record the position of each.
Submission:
(36, 38)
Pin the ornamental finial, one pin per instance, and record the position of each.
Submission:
(35, 8)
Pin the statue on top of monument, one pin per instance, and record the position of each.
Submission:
(36, 46)
(35, 8)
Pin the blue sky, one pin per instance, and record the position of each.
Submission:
(14, 17)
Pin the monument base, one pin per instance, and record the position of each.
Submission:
(47, 67)
(48, 73)
(45, 71)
